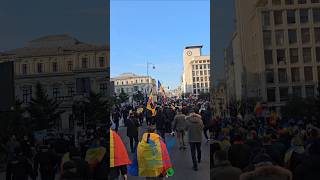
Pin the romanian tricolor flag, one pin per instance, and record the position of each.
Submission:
(118, 151)
(152, 158)
(151, 105)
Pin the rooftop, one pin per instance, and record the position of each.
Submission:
(54, 44)
(193, 47)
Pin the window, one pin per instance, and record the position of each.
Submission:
(308, 74)
(279, 37)
(198, 79)
(192, 67)
(305, 35)
(201, 79)
(294, 55)
(40, 67)
(55, 92)
(24, 68)
(101, 61)
(317, 35)
(266, 18)
(295, 74)
(205, 78)
(281, 56)
(282, 75)
(70, 91)
(54, 67)
(302, 1)
(309, 91)
(136, 88)
(200, 66)
(304, 15)
(196, 66)
(205, 72)
(194, 85)
(316, 14)
(201, 73)
(70, 65)
(193, 73)
(289, 2)
(193, 79)
(84, 63)
(277, 17)
(267, 38)
(283, 91)
(268, 57)
(276, 2)
(269, 76)
(318, 54)
(271, 94)
(26, 94)
(306, 53)
(296, 91)
(291, 16)
(292, 36)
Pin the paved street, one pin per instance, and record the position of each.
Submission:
(181, 160)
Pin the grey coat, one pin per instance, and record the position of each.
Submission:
(179, 122)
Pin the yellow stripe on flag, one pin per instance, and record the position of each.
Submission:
(111, 149)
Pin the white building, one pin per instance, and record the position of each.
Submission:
(196, 72)
(66, 68)
(131, 83)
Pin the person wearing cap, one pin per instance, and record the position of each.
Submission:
(264, 169)
(223, 170)
(194, 128)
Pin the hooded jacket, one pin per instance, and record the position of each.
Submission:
(194, 127)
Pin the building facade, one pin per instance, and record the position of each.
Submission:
(280, 48)
(66, 68)
(196, 72)
(233, 71)
(131, 83)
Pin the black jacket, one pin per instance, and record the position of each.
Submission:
(19, 169)
(132, 127)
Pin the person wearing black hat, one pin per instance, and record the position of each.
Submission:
(264, 169)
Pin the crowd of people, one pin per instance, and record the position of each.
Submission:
(265, 148)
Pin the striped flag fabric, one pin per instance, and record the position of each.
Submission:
(118, 151)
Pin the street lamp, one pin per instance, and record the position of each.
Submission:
(153, 67)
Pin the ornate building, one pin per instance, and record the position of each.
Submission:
(67, 69)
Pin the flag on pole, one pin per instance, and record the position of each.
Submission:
(151, 105)
(118, 151)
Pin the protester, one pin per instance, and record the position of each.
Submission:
(223, 169)
(132, 125)
(264, 169)
(194, 128)
(179, 125)
(46, 162)
(19, 168)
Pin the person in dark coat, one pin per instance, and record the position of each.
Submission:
(116, 118)
(132, 125)
(206, 116)
(239, 153)
(223, 169)
(276, 154)
(19, 168)
(160, 123)
(76, 168)
(310, 167)
(46, 162)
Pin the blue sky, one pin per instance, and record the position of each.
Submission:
(22, 21)
(157, 31)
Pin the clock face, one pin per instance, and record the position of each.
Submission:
(189, 53)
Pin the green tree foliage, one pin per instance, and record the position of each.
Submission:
(44, 112)
(123, 97)
(96, 109)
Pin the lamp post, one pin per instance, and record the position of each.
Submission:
(153, 67)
